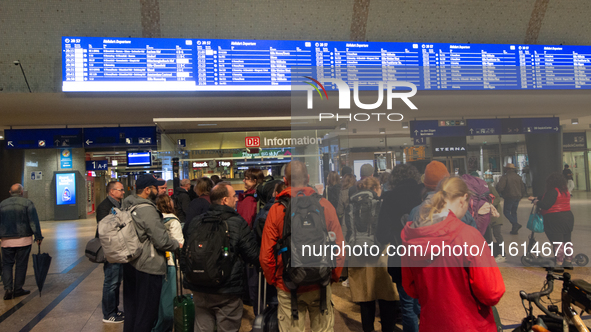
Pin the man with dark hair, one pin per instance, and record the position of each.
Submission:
(18, 223)
(222, 306)
(142, 278)
(215, 179)
(113, 271)
(182, 199)
(308, 297)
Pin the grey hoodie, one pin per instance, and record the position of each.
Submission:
(153, 235)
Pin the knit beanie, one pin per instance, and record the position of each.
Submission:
(434, 172)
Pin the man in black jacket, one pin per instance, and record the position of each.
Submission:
(224, 304)
(182, 200)
(113, 272)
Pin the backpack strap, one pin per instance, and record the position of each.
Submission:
(323, 302)
(294, 304)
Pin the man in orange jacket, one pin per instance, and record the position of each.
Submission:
(297, 178)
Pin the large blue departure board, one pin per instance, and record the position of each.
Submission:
(159, 64)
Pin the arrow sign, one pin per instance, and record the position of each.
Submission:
(556, 129)
(471, 131)
(416, 132)
(88, 142)
(10, 144)
(57, 142)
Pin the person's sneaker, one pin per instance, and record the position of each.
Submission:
(114, 319)
(21, 292)
(500, 259)
(8, 295)
(346, 283)
(567, 265)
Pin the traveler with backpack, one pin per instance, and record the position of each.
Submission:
(496, 221)
(142, 277)
(369, 280)
(182, 200)
(113, 271)
(313, 218)
(216, 244)
(347, 182)
(512, 189)
(173, 227)
(201, 204)
(406, 193)
(247, 206)
(455, 290)
(434, 173)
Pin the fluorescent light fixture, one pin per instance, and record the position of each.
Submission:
(382, 130)
(206, 124)
(574, 121)
(297, 123)
(404, 125)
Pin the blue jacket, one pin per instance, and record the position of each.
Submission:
(18, 218)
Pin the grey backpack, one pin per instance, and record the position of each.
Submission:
(118, 236)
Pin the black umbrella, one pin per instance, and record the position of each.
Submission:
(41, 264)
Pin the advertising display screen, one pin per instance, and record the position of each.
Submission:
(65, 188)
(167, 64)
(143, 158)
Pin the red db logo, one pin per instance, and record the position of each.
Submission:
(252, 142)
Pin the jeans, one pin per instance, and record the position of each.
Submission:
(141, 295)
(410, 311)
(10, 257)
(510, 210)
(111, 285)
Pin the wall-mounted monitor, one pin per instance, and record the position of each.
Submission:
(139, 158)
(65, 188)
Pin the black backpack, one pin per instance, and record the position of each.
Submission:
(208, 255)
(304, 225)
(363, 211)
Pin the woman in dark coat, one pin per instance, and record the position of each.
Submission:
(406, 193)
(558, 219)
(201, 204)
(332, 192)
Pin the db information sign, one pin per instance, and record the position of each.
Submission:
(252, 142)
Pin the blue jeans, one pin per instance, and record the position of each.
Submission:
(111, 285)
(10, 257)
(410, 309)
(510, 210)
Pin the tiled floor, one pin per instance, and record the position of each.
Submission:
(71, 298)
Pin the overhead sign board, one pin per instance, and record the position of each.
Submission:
(119, 136)
(478, 127)
(42, 138)
(574, 141)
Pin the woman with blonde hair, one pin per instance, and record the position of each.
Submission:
(451, 270)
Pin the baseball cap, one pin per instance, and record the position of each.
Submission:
(147, 180)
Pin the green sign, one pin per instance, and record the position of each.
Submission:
(267, 153)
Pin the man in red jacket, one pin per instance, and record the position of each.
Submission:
(297, 178)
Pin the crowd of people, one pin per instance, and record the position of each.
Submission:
(224, 242)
